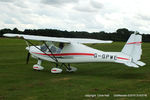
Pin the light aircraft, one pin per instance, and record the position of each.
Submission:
(73, 50)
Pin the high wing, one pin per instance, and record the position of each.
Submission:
(55, 39)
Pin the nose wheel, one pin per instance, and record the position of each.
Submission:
(38, 65)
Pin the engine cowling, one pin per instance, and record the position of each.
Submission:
(56, 70)
(37, 67)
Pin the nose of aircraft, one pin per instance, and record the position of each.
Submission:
(27, 48)
(33, 48)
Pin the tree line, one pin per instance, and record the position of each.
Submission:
(120, 34)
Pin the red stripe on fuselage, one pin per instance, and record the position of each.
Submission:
(66, 54)
(135, 43)
(35, 67)
(122, 58)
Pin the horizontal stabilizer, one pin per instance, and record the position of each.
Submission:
(140, 63)
(130, 64)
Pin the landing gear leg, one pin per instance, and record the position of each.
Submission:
(57, 65)
(39, 62)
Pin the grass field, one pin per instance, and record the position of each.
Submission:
(18, 81)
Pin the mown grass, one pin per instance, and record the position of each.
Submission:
(18, 81)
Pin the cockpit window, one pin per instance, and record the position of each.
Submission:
(52, 47)
(43, 48)
(61, 45)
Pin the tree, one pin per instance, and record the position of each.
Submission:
(2, 31)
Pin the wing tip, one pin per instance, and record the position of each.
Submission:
(10, 35)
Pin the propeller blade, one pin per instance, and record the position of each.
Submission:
(28, 56)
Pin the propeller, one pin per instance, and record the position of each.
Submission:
(28, 57)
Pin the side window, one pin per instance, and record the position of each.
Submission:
(61, 45)
(58, 50)
(53, 49)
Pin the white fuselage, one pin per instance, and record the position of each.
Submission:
(79, 53)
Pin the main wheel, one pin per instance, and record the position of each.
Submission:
(56, 70)
(72, 69)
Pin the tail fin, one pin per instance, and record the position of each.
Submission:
(133, 49)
